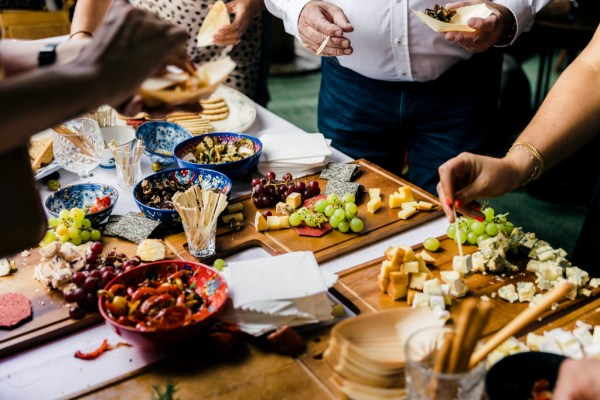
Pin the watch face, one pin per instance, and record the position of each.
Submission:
(47, 54)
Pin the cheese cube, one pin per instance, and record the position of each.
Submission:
(462, 292)
(405, 193)
(396, 292)
(374, 205)
(397, 255)
(577, 276)
(374, 193)
(432, 287)
(260, 223)
(417, 280)
(399, 278)
(294, 200)
(424, 206)
(583, 336)
(437, 301)
(478, 262)
(585, 292)
(457, 287)
(595, 283)
(508, 293)
(535, 342)
(427, 257)
(409, 254)
(235, 207)
(383, 282)
(386, 268)
(407, 213)
(398, 285)
(409, 204)
(273, 222)
(284, 221)
(526, 291)
(282, 208)
(592, 351)
(411, 267)
(410, 296)
(596, 334)
(420, 300)
(423, 267)
(440, 313)
(237, 216)
(462, 265)
(395, 201)
(389, 253)
(446, 293)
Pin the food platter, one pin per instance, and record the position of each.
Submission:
(242, 111)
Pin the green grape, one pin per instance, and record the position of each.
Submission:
(320, 206)
(62, 230)
(329, 210)
(85, 236)
(507, 227)
(491, 229)
(64, 238)
(349, 216)
(472, 238)
(95, 235)
(310, 221)
(468, 221)
(356, 224)
(77, 214)
(49, 237)
(54, 222)
(343, 227)
(73, 232)
(295, 219)
(431, 244)
(451, 231)
(77, 224)
(219, 264)
(489, 213)
(351, 208)
(348, 198)
(461, 235)
(477, 227)
(86, 223)
(481, 238)
(333, 198)
(334, 221)
(341, 214)
(76, 240)
(64, 215)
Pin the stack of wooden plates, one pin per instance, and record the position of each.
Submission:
(366, 353)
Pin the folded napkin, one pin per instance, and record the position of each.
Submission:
(283, 290)
(298, 154)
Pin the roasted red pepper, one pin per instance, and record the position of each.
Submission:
(94, 354)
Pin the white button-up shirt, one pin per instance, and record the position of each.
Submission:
(390, 43)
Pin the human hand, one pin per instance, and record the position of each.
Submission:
(488, 31)
(468, 177)
(318, 20)
(577, 379)
(127, 48)
(245, 11)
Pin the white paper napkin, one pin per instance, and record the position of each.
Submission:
(280, 146)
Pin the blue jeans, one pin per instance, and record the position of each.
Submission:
(431, 122)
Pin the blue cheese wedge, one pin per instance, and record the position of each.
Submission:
(508, 293)
(577, 276)
(7, 267)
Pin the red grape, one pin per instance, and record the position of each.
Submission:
(259, 189)
(91, 283)
(271, 175)
(91, 258)
(96, 248)
(90, 267)
(267, 214)
(264, 181)
(255, 182)
(78, 278)
(287, 177)
(79, 294)
(106, 277)
(70, 296)
(76, 313)
(257, 202)
(300, 186)
(291, 187)
(313, 186)
(95, 274)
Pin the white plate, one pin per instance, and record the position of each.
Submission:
(242, 111)
(50, 168)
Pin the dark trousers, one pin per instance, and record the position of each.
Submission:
(585, 254)
(431, 121)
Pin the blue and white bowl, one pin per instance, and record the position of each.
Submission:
(205, 178)
(233, 169)
(160, 139)
(83, 196)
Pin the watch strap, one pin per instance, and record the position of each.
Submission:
(47, 54)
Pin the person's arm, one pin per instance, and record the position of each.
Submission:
(568, 118)
(127, 48)
(88, 16)
(577, 379)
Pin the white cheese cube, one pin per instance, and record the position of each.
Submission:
(420, 300)
(427, 257)
(583, 336)
(437, 301)
(440, 313)
(478, 262)
(432, 287)
(462, 265)
(550, 346)
(446, 293)
(592, 351)
(457, 287)
(411, 267)
(526, 291)
(580, 324)
(484, 298)
(573, 350)
(595, 283)
(535, 342)
(417, 280)
(508, 293)
(494, 357)
(596, 334)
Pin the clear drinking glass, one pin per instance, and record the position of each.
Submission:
(78, 148)
(423, 383)
(201, 239)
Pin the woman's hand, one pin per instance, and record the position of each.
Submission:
(245, 11)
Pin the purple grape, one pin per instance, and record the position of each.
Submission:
(76, 313)
(91, 283)
(256, 201)
(271, 175)
(78, 278)
(267, 214)
(255, 182)
(95, 274)
(300, 186)
(79, 294)
(70, 296)
(287, 177)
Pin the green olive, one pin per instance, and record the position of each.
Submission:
(156, 166)
(53, 185)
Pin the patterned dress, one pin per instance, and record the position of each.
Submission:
(191, 14)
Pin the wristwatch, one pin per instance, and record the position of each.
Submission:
(47, 55)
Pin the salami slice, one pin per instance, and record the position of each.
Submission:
(304, 230)
(14, 309)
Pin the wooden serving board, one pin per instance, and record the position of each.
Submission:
(50, 317)
(380, 225)
(359, 285)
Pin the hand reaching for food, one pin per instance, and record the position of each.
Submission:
(244, 11)
(322, 22)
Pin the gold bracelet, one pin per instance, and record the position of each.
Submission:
(533, 152)
(87, 33)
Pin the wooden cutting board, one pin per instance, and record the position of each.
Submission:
(382, 224)
(359, 285)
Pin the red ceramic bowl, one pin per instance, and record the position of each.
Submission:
(210, 285)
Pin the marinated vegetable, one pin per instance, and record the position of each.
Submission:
(159, 194)
(440, 13)
(213, 151)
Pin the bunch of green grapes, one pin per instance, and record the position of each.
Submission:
(340, 213)
(70, 226)
(472, 231)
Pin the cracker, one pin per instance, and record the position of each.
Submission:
(108, 229)
(216, 117)
(212, 100)
(340, 172)
(215, 111)
(341, 188)
(134, 227)
(212, 106)
(190, 118)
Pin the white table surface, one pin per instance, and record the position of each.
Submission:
(50, 371)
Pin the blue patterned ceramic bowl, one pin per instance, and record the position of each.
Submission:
(160, 139)
(185, 177)
(83, 196)
(233, 169)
